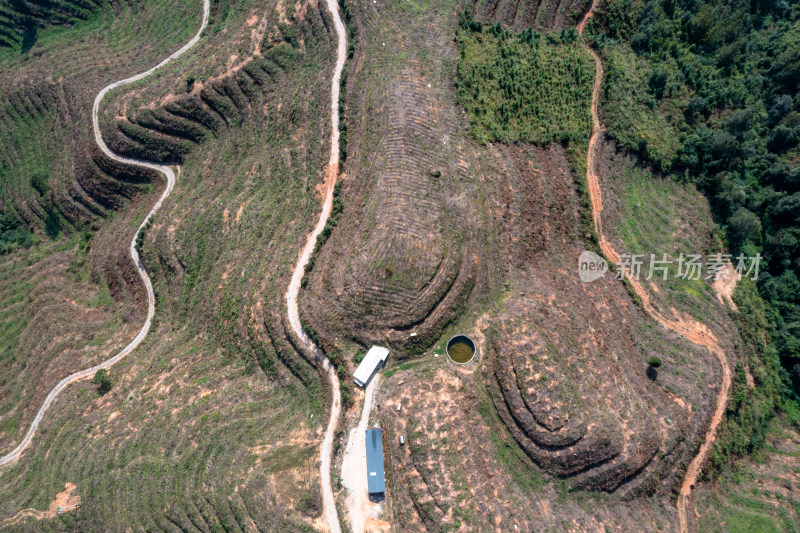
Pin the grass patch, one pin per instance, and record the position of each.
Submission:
(402, 366)
(524, 473)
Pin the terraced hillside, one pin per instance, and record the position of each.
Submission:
(214, 422)
(761, 494)
(561, 420)
(56, 179)
(21, 21)
(58, 192)
(560, 405)
(550, 377)
(402, 258)
(53, 323)
(252, 94)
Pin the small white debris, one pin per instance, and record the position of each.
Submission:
(436, 355)
(414, 334)
(399, 405)
(429, 86)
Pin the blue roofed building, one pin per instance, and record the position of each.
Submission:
(376, 482)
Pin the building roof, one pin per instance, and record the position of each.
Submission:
(376, 481)
(375, 357)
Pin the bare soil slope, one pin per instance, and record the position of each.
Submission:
(521, 14)
(561, 389)
(404, 256)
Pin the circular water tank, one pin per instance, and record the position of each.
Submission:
(460, 349)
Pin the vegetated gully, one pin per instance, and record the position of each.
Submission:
(682, 324)
(329, 513)
(169, 174)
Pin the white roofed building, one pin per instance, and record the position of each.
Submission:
(375, 358)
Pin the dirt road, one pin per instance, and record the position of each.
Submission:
(329, 514)
(354, 465)
(168, 173)
(675, 321)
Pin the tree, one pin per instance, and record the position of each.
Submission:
(360, 356)
(696, 107)
(743, 226)
(781, 139)
(102, 381)
(738, 122)
(780, 108)
(787, 210)
(658, 82)
(782, 248)
(783, 288)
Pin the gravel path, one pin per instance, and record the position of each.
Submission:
(329, 513)
(354, 464)
(168, 173)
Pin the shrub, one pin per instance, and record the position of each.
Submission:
(360, 356)
(102, 381)
(653, 363)
(743, 226)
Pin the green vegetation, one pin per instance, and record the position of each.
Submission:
(523, 86)
(359, 356)
(21, 20)
(754, 496)
(637, 119)
(351, 37)
(333, 219)
(526, 474)
(754, 400)
(653, 364)
(50, 318)
(402, 366)
(13, 234)
(661, 216)
(48, 85)
(708, 90)
(102, 381)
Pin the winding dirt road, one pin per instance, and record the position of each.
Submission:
(329, 514)
(168, 173)
(676, 321)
